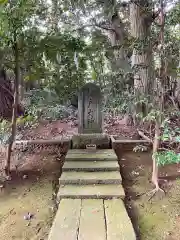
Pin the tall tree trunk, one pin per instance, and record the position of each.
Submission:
(142, 59)
(15, 105)
(156, 144)
(159, 101)
(21, 86)
(54, 15)
(161, 92)
(117, 38)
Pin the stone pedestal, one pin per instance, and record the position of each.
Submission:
(102, 141)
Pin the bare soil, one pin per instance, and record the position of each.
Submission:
(159, 218)
(31, 190)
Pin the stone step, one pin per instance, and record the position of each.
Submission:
(90, 166)
(113, 177)
(92, 224)
(96, 191)
(66, 222)
(98, 155)
(118, 223)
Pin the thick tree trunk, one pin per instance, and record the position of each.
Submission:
(142, 59)
(15, 105)
(117, 36)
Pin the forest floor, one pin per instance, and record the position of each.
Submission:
(158, 218)
(33, 187)
(29, 191)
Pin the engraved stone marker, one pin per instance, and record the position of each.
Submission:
(89, 109)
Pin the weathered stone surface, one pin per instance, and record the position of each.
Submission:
(98, 155)
(90, 166)
(89, 109)
(80, 141)
(90, 178)
(92, 221)
(128, 144)
(119, 225)
(66, 222)
(100, 191)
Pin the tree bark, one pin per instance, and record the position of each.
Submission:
(117, 37)
(54, 16)
(142, 59)
(160, 99)
(21, 86)
(155, 150)
(15, 105)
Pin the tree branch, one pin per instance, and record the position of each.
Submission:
(95, 25)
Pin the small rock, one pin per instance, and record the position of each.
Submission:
(135, 173)
(28, 216)
(8, 178)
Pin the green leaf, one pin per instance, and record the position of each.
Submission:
(3, 1)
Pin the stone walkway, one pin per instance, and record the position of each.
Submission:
(91, 199)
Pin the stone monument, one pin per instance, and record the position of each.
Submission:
(90, 109)
(90, 134)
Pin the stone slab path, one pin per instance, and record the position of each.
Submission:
(91, 199)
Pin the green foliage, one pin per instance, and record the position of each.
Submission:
(44, 104)
(26, 121)
(171, 134)
(38, 97)
(173, 17)
(66, 78)
(4, 131)
(166, 157)
(22, 122)
(120, 104)
(55, 112)
(48, 48)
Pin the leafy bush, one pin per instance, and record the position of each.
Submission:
(40, 97)
(26, 121)
(55, 112)
(167, 157)
(120, 104)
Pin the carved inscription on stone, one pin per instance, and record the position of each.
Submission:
(89, 108)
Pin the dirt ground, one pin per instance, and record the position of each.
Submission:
(158, 218)
(32, 191)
